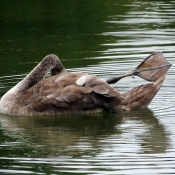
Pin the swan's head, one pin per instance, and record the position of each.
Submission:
(55, 64)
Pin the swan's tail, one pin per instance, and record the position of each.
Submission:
(141, 96)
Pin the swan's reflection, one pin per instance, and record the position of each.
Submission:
(71, 135)
(150, 133)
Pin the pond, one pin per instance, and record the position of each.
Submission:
(106, 38)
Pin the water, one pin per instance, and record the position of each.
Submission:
(106, 38)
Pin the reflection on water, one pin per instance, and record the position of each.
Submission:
(56, 132)
(72, 139)
(105, 38)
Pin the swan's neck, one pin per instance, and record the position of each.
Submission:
(50, 63)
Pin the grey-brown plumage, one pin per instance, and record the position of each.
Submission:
(70, 93)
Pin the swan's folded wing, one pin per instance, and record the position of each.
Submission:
(74, 92)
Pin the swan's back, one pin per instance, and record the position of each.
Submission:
(68, 93)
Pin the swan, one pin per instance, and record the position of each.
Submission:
(70, 93)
